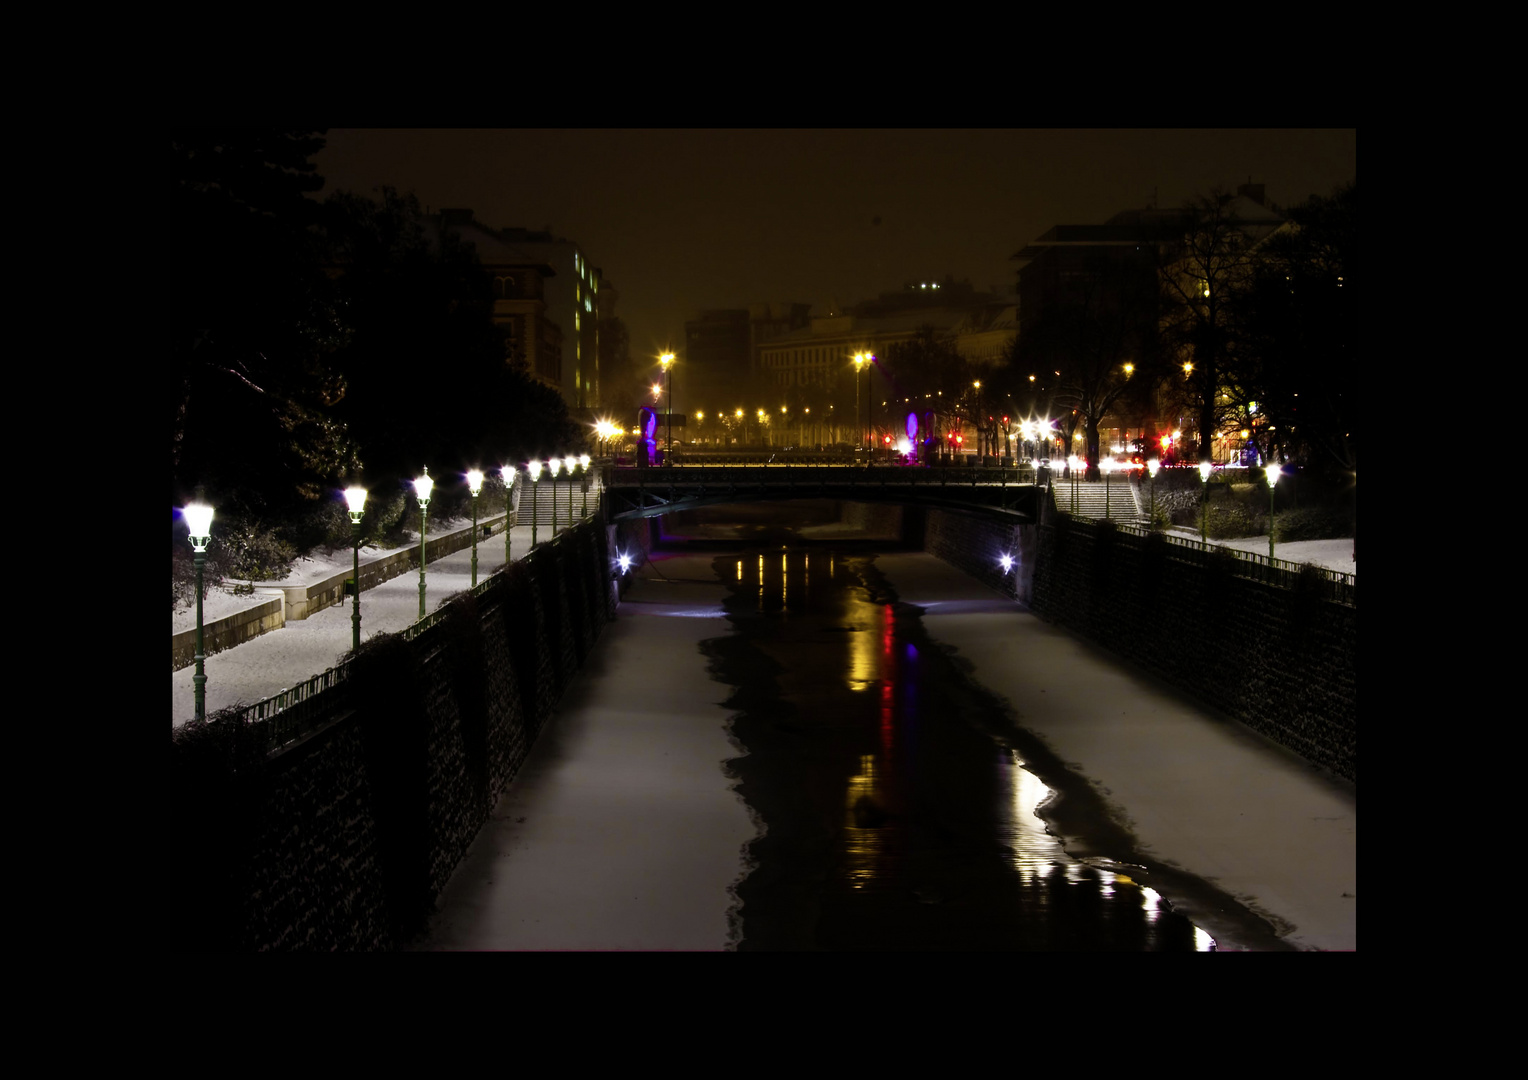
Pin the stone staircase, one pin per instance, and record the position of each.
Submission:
(1118, 503)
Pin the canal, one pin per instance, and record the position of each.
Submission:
(897, 807)
(801, 738)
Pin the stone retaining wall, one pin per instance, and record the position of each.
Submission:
(1283, 661)
(977, 546)
(343, 840)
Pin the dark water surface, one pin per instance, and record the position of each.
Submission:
(899, 813)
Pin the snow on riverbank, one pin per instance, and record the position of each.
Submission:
(308, 570)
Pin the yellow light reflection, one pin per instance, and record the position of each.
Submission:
(864, 655)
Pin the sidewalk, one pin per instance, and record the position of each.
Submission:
(282, 658)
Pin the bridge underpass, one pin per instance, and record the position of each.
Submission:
(1001, 494)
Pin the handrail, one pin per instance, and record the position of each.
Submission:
(786, 475)
(1339, 586)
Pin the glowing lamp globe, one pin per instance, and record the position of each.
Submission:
(583, 460)
(199, 519)
(1152, 466)
(1204, 471)
(355, 497)
(534, 468)
(422, 488)
(555, 465)
(508, 473)
(1273, 473)
(475, 481)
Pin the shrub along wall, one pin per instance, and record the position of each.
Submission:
(1281, 660)
(344, 840)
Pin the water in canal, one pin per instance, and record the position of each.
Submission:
(897, 807)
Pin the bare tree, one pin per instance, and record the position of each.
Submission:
(1101, 339)
(1202, 278)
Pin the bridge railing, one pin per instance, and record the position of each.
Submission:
(797, 474)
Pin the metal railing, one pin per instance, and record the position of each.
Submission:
(794, 473)
(1338, 586)
(289, 714)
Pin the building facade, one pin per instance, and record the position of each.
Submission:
(520, 283)
(554, 332)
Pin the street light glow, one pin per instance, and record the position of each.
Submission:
(199, 518)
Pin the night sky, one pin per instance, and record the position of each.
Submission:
(684, 220)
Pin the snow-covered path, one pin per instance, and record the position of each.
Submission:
(275, 661)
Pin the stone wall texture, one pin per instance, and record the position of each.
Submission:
(343, 840)
(977, 546)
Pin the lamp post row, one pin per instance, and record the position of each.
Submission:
(198, 517)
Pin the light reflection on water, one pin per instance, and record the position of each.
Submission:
(919, 777)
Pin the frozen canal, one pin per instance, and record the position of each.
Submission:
(866, 775)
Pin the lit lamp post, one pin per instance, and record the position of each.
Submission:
(356, 498)
(534, 468)
(583, 464)
(1271, 474)
(474, 485)
(666, 361)
(422, 488)
(860, 360)
(508, 473)
(1152, 466)
(199, 519)
(1107, 465)
(555, 466)
(1204, 502)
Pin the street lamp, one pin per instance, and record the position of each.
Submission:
(1107, 465)
(1152, 466)
(199, 519)
(583, 464)
(474, 485)
(1271, 474)
(860, 359)
(422, 489)
(666, 361)
(555, 465)
(508, 473)
(356, 498)
(534, 468)
(1204, 502)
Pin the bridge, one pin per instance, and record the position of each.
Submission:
(1012, 495)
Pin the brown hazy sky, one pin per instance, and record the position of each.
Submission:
(681, 220)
